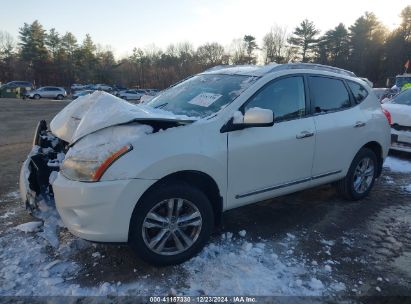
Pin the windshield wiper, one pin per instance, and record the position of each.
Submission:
(161, 106)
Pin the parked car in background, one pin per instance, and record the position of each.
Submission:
(20, 84)
(134, 94)
(48, 92)
(23, 87)
(81, 93)
(117, 89)
(152, 92)
(102, 87)
(159, 176)
(76, 87)
(400, 109)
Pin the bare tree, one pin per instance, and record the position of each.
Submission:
(210, 54)
(238, 51)
(275, 47)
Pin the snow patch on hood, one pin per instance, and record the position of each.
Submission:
(100, 110)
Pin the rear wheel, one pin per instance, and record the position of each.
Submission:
(37, 96)
(171, 224)
(360, 177)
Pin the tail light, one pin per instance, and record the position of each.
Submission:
(388, 115)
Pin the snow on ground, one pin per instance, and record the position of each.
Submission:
(408, 188)
(397, 165)
(235, 266)
(30, 227)
(33, 261)
(10, 196)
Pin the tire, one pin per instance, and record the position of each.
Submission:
(60, 97)
(192, 201)
(359, 175)
(37, 96)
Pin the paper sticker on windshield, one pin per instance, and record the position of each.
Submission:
(205, 99)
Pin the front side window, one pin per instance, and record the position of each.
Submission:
(285, 97)
(202, 95)
(359, 92)
(328, 94)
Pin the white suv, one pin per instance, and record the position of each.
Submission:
(159, 176)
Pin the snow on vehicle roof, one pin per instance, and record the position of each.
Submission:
(261, 70)
(248, 70)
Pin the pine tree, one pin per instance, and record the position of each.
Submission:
(33, 50)
(304, 38)
(250, 47)
(367, 36)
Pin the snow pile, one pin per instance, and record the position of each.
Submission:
(238, 267)
(397, 165)
(30, 227)
(408, 188)
(7, 214)
(48, 213)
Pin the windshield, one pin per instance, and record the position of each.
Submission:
(202, 95)
(403, 98)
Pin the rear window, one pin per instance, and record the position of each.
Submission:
(403, 98)
(359, 92)
(328, 94)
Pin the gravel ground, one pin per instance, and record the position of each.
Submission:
(308, 243)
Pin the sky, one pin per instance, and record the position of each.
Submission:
(125, 24)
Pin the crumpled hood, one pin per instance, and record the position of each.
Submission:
(90, 113)
(400, 114)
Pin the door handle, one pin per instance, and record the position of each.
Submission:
(304, 134)
(359, 124)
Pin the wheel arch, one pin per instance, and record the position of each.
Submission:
(377, 149)
(199, 179)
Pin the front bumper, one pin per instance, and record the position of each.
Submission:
(99, 211)
(401, 140)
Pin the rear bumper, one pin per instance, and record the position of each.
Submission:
(98, 211)
(400, 140)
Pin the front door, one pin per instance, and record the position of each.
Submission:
(268, 161)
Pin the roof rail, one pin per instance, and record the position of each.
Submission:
(312, 66)
(219, 67)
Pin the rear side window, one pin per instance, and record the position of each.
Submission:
(359, 92)
(328, 94)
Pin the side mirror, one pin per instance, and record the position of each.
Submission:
(258, 116)
(254, 117)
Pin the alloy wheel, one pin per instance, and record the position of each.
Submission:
(363, 175)
(172, 226)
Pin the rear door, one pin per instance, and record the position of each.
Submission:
(340, 126)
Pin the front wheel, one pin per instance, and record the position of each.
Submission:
(60, 97)
(37, 96)
(171, 224)
(360, 178)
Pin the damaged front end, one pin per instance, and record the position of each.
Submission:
(94, 127)
(41, 166)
